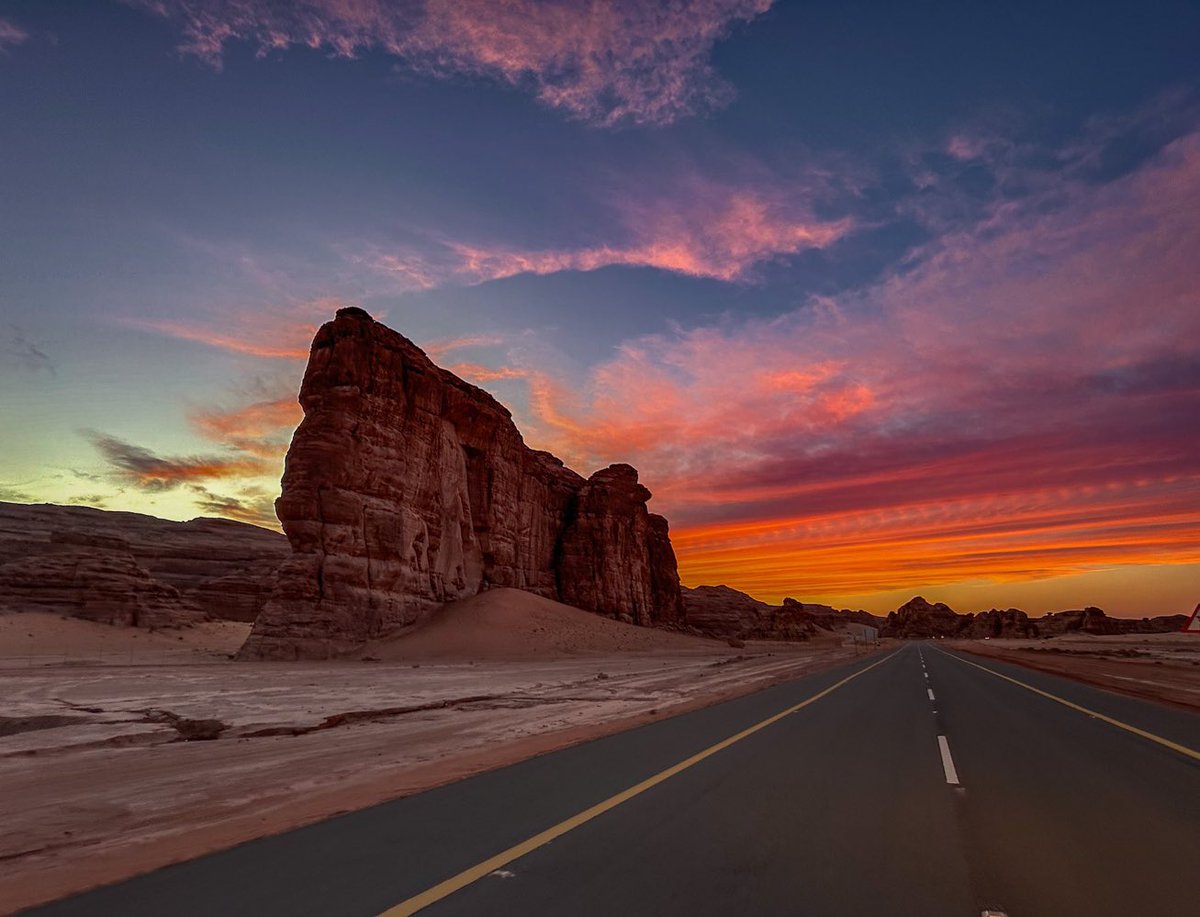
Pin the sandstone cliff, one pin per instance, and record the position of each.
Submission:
(80, 560)
(406, 487)
(93, 577)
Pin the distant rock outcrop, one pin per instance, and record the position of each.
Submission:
(50, 556)
(721, 611)
(828, 616)
(406, 487)
(917, 619)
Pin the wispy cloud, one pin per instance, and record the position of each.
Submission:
(26, 354)
(251, 504)
(281, 331)
(236, 479)
(720, 239)
(283, 343)
(10, 493)
(602, 61)
(439, 348)
(262, 428)
(139, 467)
(689, 224)
(11, 35)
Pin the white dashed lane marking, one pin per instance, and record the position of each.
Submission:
(930, 690)
(948, 762)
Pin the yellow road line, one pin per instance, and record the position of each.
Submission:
(1166, 743)
(478, 871)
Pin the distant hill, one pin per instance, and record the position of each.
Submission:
(918, 619)
(722, 611)
(132, 568)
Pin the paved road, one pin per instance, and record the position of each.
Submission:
(844, 806)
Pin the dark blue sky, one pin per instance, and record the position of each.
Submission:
(594, 195)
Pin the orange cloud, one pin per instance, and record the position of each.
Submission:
(146, 470)
(263, 428)
(236, 344)
(437, 349)
(279, 331)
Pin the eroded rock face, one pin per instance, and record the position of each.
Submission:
(225, 569)
(93, 577)
(406, 487)
(616, 558)
(722, 611)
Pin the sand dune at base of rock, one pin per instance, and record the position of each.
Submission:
(511, 624)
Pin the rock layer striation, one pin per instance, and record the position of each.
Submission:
(131, 568)
(406, 487)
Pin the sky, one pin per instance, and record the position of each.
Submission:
(880, 299)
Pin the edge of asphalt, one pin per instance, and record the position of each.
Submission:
(1047, 668)
(36, 887)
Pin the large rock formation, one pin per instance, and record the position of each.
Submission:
(223, 568)
(406, 487)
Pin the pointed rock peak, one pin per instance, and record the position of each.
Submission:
(355, 312)
(616, 473)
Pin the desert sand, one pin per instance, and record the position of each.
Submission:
(1159, 667)
(104, 776)
(510, 624)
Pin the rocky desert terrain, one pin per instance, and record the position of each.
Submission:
(136, 750)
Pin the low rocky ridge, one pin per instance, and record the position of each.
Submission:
(918, 619)
(406, 488)
(132, 569)
(721, 611)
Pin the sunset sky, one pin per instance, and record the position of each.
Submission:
(880, 298)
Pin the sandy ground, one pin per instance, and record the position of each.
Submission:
(100, 781)
(38, 638)
(1159, 667)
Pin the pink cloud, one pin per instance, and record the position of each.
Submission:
(695, 226)
(1019, 402)
(604, 61)
(721, 238)
(281, 332)
(11, 35)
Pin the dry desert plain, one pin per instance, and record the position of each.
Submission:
(106, 775)
(1158, 667)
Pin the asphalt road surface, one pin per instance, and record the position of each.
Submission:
(924, 785)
